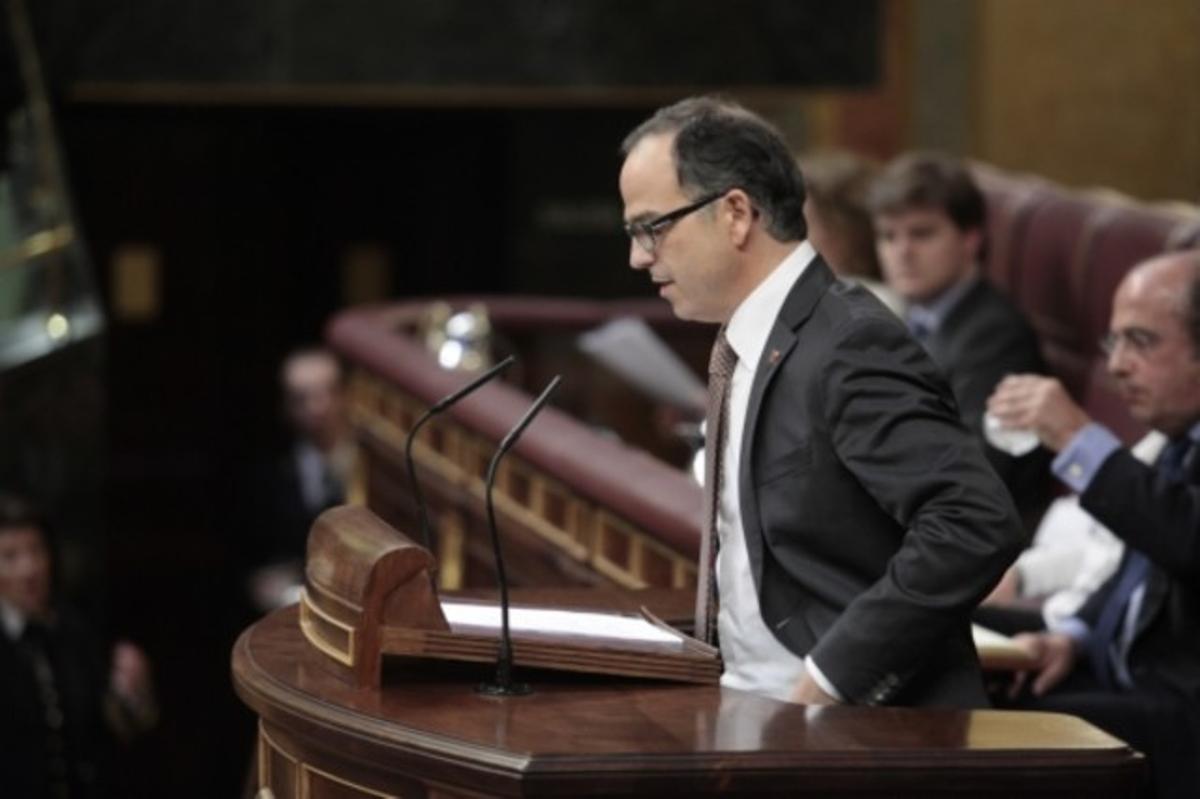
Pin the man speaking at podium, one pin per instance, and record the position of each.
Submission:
(851, 522)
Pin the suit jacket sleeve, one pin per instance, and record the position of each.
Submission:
(894, 427)
(1158, 518)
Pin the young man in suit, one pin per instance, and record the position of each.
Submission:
(1129, 660)
(929, 220)
(857, 523)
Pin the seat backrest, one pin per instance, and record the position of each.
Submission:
(1060, 255)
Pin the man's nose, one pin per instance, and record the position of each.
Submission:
(1118, 359)
(639, 258)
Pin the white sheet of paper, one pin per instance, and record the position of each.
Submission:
(631, 349)
(985, 638)
(572, 622)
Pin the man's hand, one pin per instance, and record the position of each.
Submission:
(1054, 654)
(808, 692)
(131, 688)
(129, 676)
(1040, 404)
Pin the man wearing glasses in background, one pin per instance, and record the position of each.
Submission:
(1129, 661)
(851, 523)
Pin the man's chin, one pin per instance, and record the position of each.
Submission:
(678, 306)
(685, 312)
(915, 294)
(688, 311)
(32, 606)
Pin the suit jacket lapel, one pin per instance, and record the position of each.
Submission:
(798, 306)
(1157, 582)
(1152, 600)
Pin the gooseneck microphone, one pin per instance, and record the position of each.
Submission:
(436, 408)
(503, 685)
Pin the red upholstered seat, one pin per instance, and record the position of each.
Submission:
(1116, 239)
(1010, 203)
(1045, 260)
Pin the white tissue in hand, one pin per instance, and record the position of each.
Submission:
(1014, 441)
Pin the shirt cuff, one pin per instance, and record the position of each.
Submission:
(1083, 456)
(819, 677)
(1074, 628)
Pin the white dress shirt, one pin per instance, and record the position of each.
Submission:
(12, 621)
(754, 658)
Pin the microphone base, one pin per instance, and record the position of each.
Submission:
(500, 689)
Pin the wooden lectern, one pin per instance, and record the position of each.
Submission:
(338, 719)
(427, 733)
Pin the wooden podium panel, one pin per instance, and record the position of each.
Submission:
(426, 733)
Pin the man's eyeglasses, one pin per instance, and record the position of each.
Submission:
(1139, 340)
(647, 232)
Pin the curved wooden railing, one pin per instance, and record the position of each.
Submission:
(575, 506)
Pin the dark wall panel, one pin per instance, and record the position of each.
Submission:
(528, 43)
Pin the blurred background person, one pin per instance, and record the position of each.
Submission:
(839, 224)
(929, 220)
(61, 704)
(310, 476)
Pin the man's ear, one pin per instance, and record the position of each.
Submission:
(738, 212)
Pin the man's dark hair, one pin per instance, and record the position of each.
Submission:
(719, 145)
(929, 180)
(16, 511)
(837, 183)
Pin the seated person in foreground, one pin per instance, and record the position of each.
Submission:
(59, 702)
(929, 225)
(1129, 660)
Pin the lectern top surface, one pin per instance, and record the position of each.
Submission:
(432, 705)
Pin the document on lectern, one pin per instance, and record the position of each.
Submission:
(592, 641)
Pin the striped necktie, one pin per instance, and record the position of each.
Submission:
(720, 376)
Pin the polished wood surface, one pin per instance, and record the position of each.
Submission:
(428, 733)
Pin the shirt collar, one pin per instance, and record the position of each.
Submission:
(12, 620)
(931, 315)
(751, 322)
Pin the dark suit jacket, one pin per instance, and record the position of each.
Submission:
(873, 522)
(1161, 520)
(80, 678)
(982, 339)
